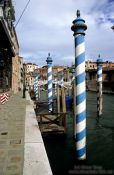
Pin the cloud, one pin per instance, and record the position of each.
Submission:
(45, 27)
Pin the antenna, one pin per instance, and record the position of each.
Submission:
(22, 13)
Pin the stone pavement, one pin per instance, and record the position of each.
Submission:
(12, 130)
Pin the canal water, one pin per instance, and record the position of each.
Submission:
(100, 142)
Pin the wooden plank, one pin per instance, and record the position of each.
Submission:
(54, 124)
(50, 118)
(53, 113)
(52, 128)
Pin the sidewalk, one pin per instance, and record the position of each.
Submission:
(22, 150)
(12, 129)
(35, 157)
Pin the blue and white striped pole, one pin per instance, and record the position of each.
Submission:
(78, 28)
(49, 65)
(61, 80)
(99, 87)
(36, 85)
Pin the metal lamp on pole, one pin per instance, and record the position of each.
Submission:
(24, 85)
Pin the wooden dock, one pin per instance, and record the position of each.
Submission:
(52, 123)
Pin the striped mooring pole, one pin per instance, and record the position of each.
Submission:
(78, 28)
(99, 87)
(61, 80)
(36, 85)
(49, 65)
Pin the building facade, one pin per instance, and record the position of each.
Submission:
(107, 75)
(30, 68)
(55, 72)
(9, 47)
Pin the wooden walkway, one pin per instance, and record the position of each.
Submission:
(54, 123)
(50, 122)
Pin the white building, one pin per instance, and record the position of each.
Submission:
(30, 67)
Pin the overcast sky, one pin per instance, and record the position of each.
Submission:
(46, 27)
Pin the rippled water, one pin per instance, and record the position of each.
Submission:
(100, 142)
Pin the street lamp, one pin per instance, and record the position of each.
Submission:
(24, 85)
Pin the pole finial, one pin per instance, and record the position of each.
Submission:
(78, 13)
(99, 55)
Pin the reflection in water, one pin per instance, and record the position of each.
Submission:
(100, 140)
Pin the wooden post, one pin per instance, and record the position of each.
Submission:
(63, 100)
(58, 99)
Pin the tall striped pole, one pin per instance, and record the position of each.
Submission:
(49, 65)
(36, 85)
(61, 80)
(99, 87)
(78, 28)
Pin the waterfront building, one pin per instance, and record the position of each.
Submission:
(30, 68)
(55, 72)
(108, 76)
(29, 78)
(43, 73)
(20, 79)
(9, 47)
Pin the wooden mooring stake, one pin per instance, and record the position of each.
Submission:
(63, 100)
(58, 98)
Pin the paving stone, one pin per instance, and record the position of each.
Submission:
(1, 171)
(3, 143)
(13, 169)
(12, 130)
(3, 154)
